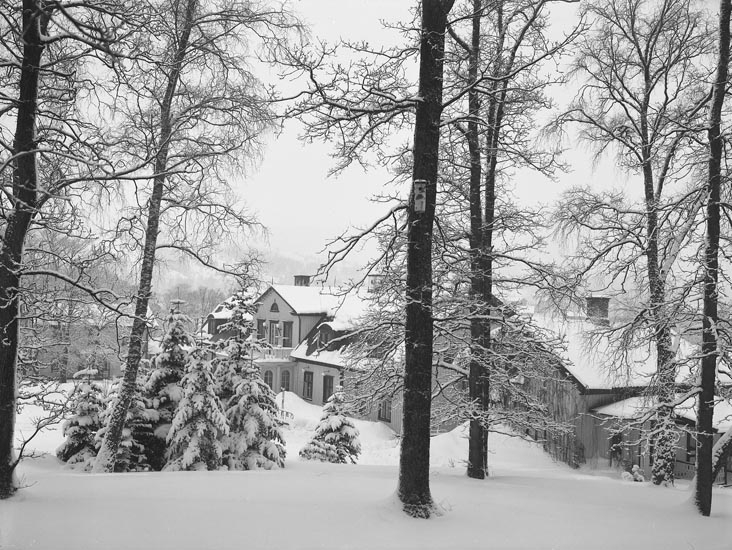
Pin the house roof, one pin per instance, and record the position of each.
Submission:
(635, 407)
(221, 311)
(594, 362)
(307, 300)
(341, 320)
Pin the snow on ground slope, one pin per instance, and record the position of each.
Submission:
(529, 503)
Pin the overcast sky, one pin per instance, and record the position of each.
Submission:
(291, 192)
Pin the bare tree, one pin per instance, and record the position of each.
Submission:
(52, 151)
(641, 94)
(505, 88)
(197, 111)
(705, 429)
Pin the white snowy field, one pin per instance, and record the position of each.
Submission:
(529, 502)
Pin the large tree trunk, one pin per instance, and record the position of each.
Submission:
(414, 460)
(705, 411)
(25, 183)
(108, 453)
(479, 334)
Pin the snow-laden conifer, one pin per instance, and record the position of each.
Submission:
(162, 389)
(255, 440)
(137, 432)
(235, 351)
(199, 424)
(87, 403)
(336, 436)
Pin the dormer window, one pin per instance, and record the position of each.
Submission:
(323, 338)
(275, 308)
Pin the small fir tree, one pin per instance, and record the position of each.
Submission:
(255, 440)
(87, 402)
(162, 390)
(199, 424)
(136, 433)
(236, 350)
(336, 437)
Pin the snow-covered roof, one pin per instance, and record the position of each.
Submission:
(349, 310)
(634, 407)
(225, 309)
(335, 358)
(342, 319)
(596, 364)
(308, 300)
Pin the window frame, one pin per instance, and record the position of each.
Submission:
(384, 410)
(331, 386)
(269, 374)
(287, 327)
(307, 385)
(285, 375)
(272, 337)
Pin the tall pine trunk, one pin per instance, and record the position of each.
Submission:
(25, 184)
(705, 411)
(414, 460)
(107, 454)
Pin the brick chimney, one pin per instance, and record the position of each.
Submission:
(598, 309)
(302, 280)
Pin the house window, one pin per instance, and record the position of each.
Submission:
(690, 448)
(274, 332)
(287, 334)
(285, 380)
(307, 385)
(275, 308)
(385, 410)
(260, 330)
(323, 338)
(268, 378)
(327, 387)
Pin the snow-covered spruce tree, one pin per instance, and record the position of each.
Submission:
(137, 432)
(87, 402)
(235, 351)
(336, 437)
(255, 440)
(162, 390)
(199, 424)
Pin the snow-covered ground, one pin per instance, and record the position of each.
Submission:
(529, 502)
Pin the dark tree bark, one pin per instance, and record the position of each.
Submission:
(705, 410)
(479, 327)
(25, 184)
(414, 460)
(108, 453)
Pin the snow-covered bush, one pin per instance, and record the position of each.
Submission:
(255, 438)
(336, 437)
(635, 474)
(87, 403)
(199, 424)
(162, 389)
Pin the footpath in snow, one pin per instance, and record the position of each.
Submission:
(529, 502)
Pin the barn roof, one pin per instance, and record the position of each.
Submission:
(635, 407)
(598, 364)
